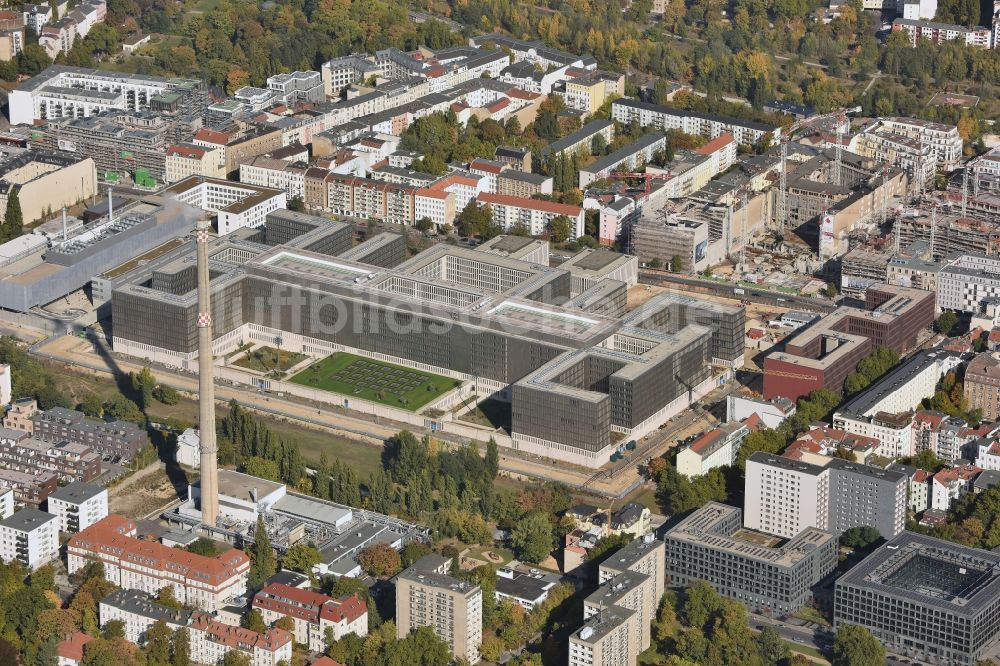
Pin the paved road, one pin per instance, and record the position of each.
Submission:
(729, 290)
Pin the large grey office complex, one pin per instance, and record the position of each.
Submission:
(577, 375)
(925, 598)
(763, 572)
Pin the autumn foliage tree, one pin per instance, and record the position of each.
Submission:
(380, 560)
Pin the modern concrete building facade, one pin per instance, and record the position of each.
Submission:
(765, 573)
(822, 355)
(932, 600)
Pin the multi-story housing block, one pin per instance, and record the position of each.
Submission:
(199, 581)
(425, 597)
(936, 33)
(297, 87)
(744, 132)
(73, 92)
(210, 639)
(944, 142)
(6, 502)
(29, 489)
(70, 461)
(982, 385)
(31, 537)
(313, 613)
(535, 215)
(785, 496)
(115, 438)
(78, 505)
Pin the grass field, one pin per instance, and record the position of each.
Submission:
(355, 376)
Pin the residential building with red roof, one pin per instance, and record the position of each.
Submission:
(210, 639)
(313, 613)
(534, 214)
(951, 484)
(133, 564)
(70, 651)
(189, 159)
(716, 448)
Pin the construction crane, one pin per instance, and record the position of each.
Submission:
(841, 117)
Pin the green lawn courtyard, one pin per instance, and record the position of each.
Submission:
(377, 381)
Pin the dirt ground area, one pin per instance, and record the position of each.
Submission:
(756, 312)
(146, 491)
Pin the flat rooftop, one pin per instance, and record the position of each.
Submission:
(930, 572)
(705, 528)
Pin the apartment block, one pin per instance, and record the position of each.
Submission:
(785, 496)
(6, 502)
(745, 132)
(533, 214)
(514, 183)
(210, 639)
(31, 537)
(715, 448)
(765, 573)
(937, 33)
(187, 159)
(78, 505)
(131, 563)
(944, 141)
(425, 597)
(579, 141)
(68, 460)
(117, 438)
(628, 158)
(982, 384)
(30, 489)
(313, 613)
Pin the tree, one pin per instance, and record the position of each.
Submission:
(380, 560)
(598, 145)
(114, 629)
(296, 204)
(413, 551)
(286, 623)
(203, 546)
(532, 537)
(262, 561)
(255, 621)
(860, 537)
(143, 383)
(182, 648)
(92, 406)
(13, 220)
(492, 459)
(121, 408)
(855, 646)
(301, 557)
(166, 597)
(157, 646)
(676, 264)
(561, 228)
(262, 468)
(168, 395)
(235, 658)
(424, 224)
(655, 263)
(945, 323)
